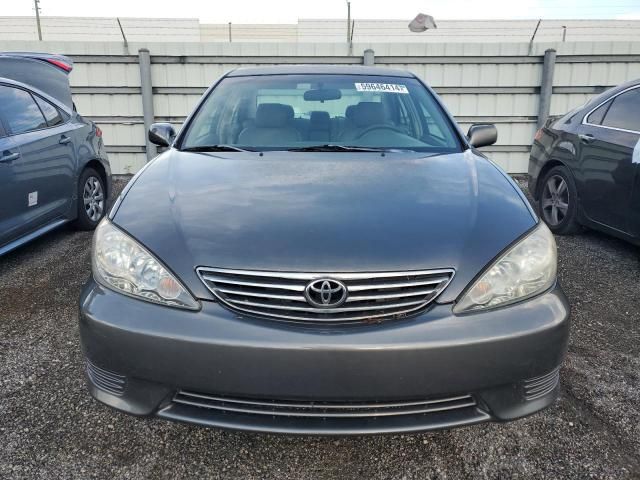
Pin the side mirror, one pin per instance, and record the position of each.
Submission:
(482, 134)
(162, 134)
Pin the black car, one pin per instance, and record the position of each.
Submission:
(585, 167)
(321, 250)
(53, 164)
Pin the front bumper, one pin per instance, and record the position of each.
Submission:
(436, 370)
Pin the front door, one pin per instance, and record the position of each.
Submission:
(634, 210)
(608, 137)
(11, 207)
(38, 182)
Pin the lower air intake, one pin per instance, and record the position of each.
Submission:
(538, 387)
(287, 408)
(110, 382)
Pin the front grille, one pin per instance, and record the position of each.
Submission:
(105, 380)
(538, 387)
(309, 409)
(285, 295)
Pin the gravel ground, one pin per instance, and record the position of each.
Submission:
(51, 428)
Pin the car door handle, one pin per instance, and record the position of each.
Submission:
(64, 140)
(586, 137)
(9, 157)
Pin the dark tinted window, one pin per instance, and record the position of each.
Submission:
(20, 110)
(51, 113)
(598, 114)
(624, 111)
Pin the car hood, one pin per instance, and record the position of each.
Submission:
(324, 212)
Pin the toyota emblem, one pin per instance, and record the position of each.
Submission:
(326, 293)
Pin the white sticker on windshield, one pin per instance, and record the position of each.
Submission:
(381, 87)
(636, 153)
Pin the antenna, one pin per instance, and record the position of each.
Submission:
(37, 8)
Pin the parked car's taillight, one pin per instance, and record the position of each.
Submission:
(98, 132)
(538, 135)
(60, 64)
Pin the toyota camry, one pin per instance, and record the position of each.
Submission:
(321, 250)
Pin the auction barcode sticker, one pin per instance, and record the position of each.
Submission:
(381, 87)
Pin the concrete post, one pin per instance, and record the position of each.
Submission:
(146, 88)
(369, 58)
(546, 88)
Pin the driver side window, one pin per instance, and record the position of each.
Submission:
(624, 111)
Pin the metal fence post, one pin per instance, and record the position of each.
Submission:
(369, 57)
(146, 90)
(546, 88)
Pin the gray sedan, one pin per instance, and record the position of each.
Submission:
(321, 250)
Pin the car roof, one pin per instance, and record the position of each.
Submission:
(318, 69)
(610, 93)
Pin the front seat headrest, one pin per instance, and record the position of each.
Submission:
(273, 115)
(319, 121)
(349, 112)
(368, 113)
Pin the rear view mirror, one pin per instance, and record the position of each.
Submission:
(482, 134)
(162, 134)
(322, 94)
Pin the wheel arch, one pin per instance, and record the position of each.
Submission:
(552, 163)
(98, 167)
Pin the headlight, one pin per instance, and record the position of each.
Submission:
(526, 269)
(121, 263)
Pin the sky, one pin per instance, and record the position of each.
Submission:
(289, 11)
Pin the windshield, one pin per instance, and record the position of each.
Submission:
(284, 112)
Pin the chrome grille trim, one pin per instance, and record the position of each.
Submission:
(374, 296)
(212, 278)
(355, 288)
(359, 298)
(325, 310)
(285, 408)
(311, 276)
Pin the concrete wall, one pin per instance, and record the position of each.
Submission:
(313, 31)
(491, 82)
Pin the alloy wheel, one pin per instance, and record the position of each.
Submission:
(93, 197)
(555, 200)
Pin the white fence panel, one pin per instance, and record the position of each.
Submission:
(491, 82)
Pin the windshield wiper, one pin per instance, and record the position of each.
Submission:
(215, 148)
(336, 148)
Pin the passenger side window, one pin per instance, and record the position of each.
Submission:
(51, 114)
(624, 111)
(596, 117)
(20, 110)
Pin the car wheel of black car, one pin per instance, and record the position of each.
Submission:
(557, 201)
(92, 200)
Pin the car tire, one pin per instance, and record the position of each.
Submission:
(92, 200)
(558, 201)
